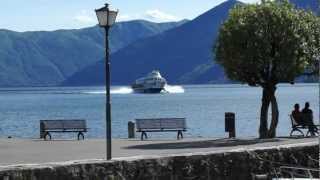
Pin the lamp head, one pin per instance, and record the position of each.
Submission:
(106, 17)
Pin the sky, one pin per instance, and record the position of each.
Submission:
(35, 15)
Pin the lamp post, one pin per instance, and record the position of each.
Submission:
(107, 18)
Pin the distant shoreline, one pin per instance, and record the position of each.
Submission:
(184, 85)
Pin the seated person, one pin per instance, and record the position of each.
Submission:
(307, 117)
(296, 115)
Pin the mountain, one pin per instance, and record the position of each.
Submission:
(125, 33)
(312, 5)
(183, 54)
(180, 50)
(48, 58)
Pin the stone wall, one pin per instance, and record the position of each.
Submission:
(231, 165)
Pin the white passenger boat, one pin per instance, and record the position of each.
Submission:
(152, 83)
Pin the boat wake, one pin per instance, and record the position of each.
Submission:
(174, 89)
(129, 90)
(94, 92)
(121, 90)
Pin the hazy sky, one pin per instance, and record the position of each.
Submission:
(30, 15)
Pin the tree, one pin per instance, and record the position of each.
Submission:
(266, 44)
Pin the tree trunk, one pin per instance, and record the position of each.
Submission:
(263, 130)
(268, 97)
(275, 116)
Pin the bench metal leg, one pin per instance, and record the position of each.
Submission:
(308, 133)
(144, 134)
(47, 134)
(180, 135)
(296, 129)
(312, 132)
(80, 134)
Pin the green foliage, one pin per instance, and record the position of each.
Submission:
(268, 43)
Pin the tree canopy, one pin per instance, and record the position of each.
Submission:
(268, 43)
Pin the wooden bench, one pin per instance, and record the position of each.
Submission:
(298, 127)
(62, 126)
(161, 125)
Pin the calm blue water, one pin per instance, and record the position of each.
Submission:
(203, 107)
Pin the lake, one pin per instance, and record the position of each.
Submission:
(202, 105)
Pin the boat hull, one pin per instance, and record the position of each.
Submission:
(148, 90)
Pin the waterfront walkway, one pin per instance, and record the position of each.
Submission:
(34, 151)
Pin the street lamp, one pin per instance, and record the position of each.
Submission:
(107, 18)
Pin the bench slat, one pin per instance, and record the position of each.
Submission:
(63, 124)
(148, 124)
(173, 123)
(161, 124)
(74, 124)
(52, 124)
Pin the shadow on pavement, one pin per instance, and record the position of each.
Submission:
(202, 144)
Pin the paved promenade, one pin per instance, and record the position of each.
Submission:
(34, 151)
